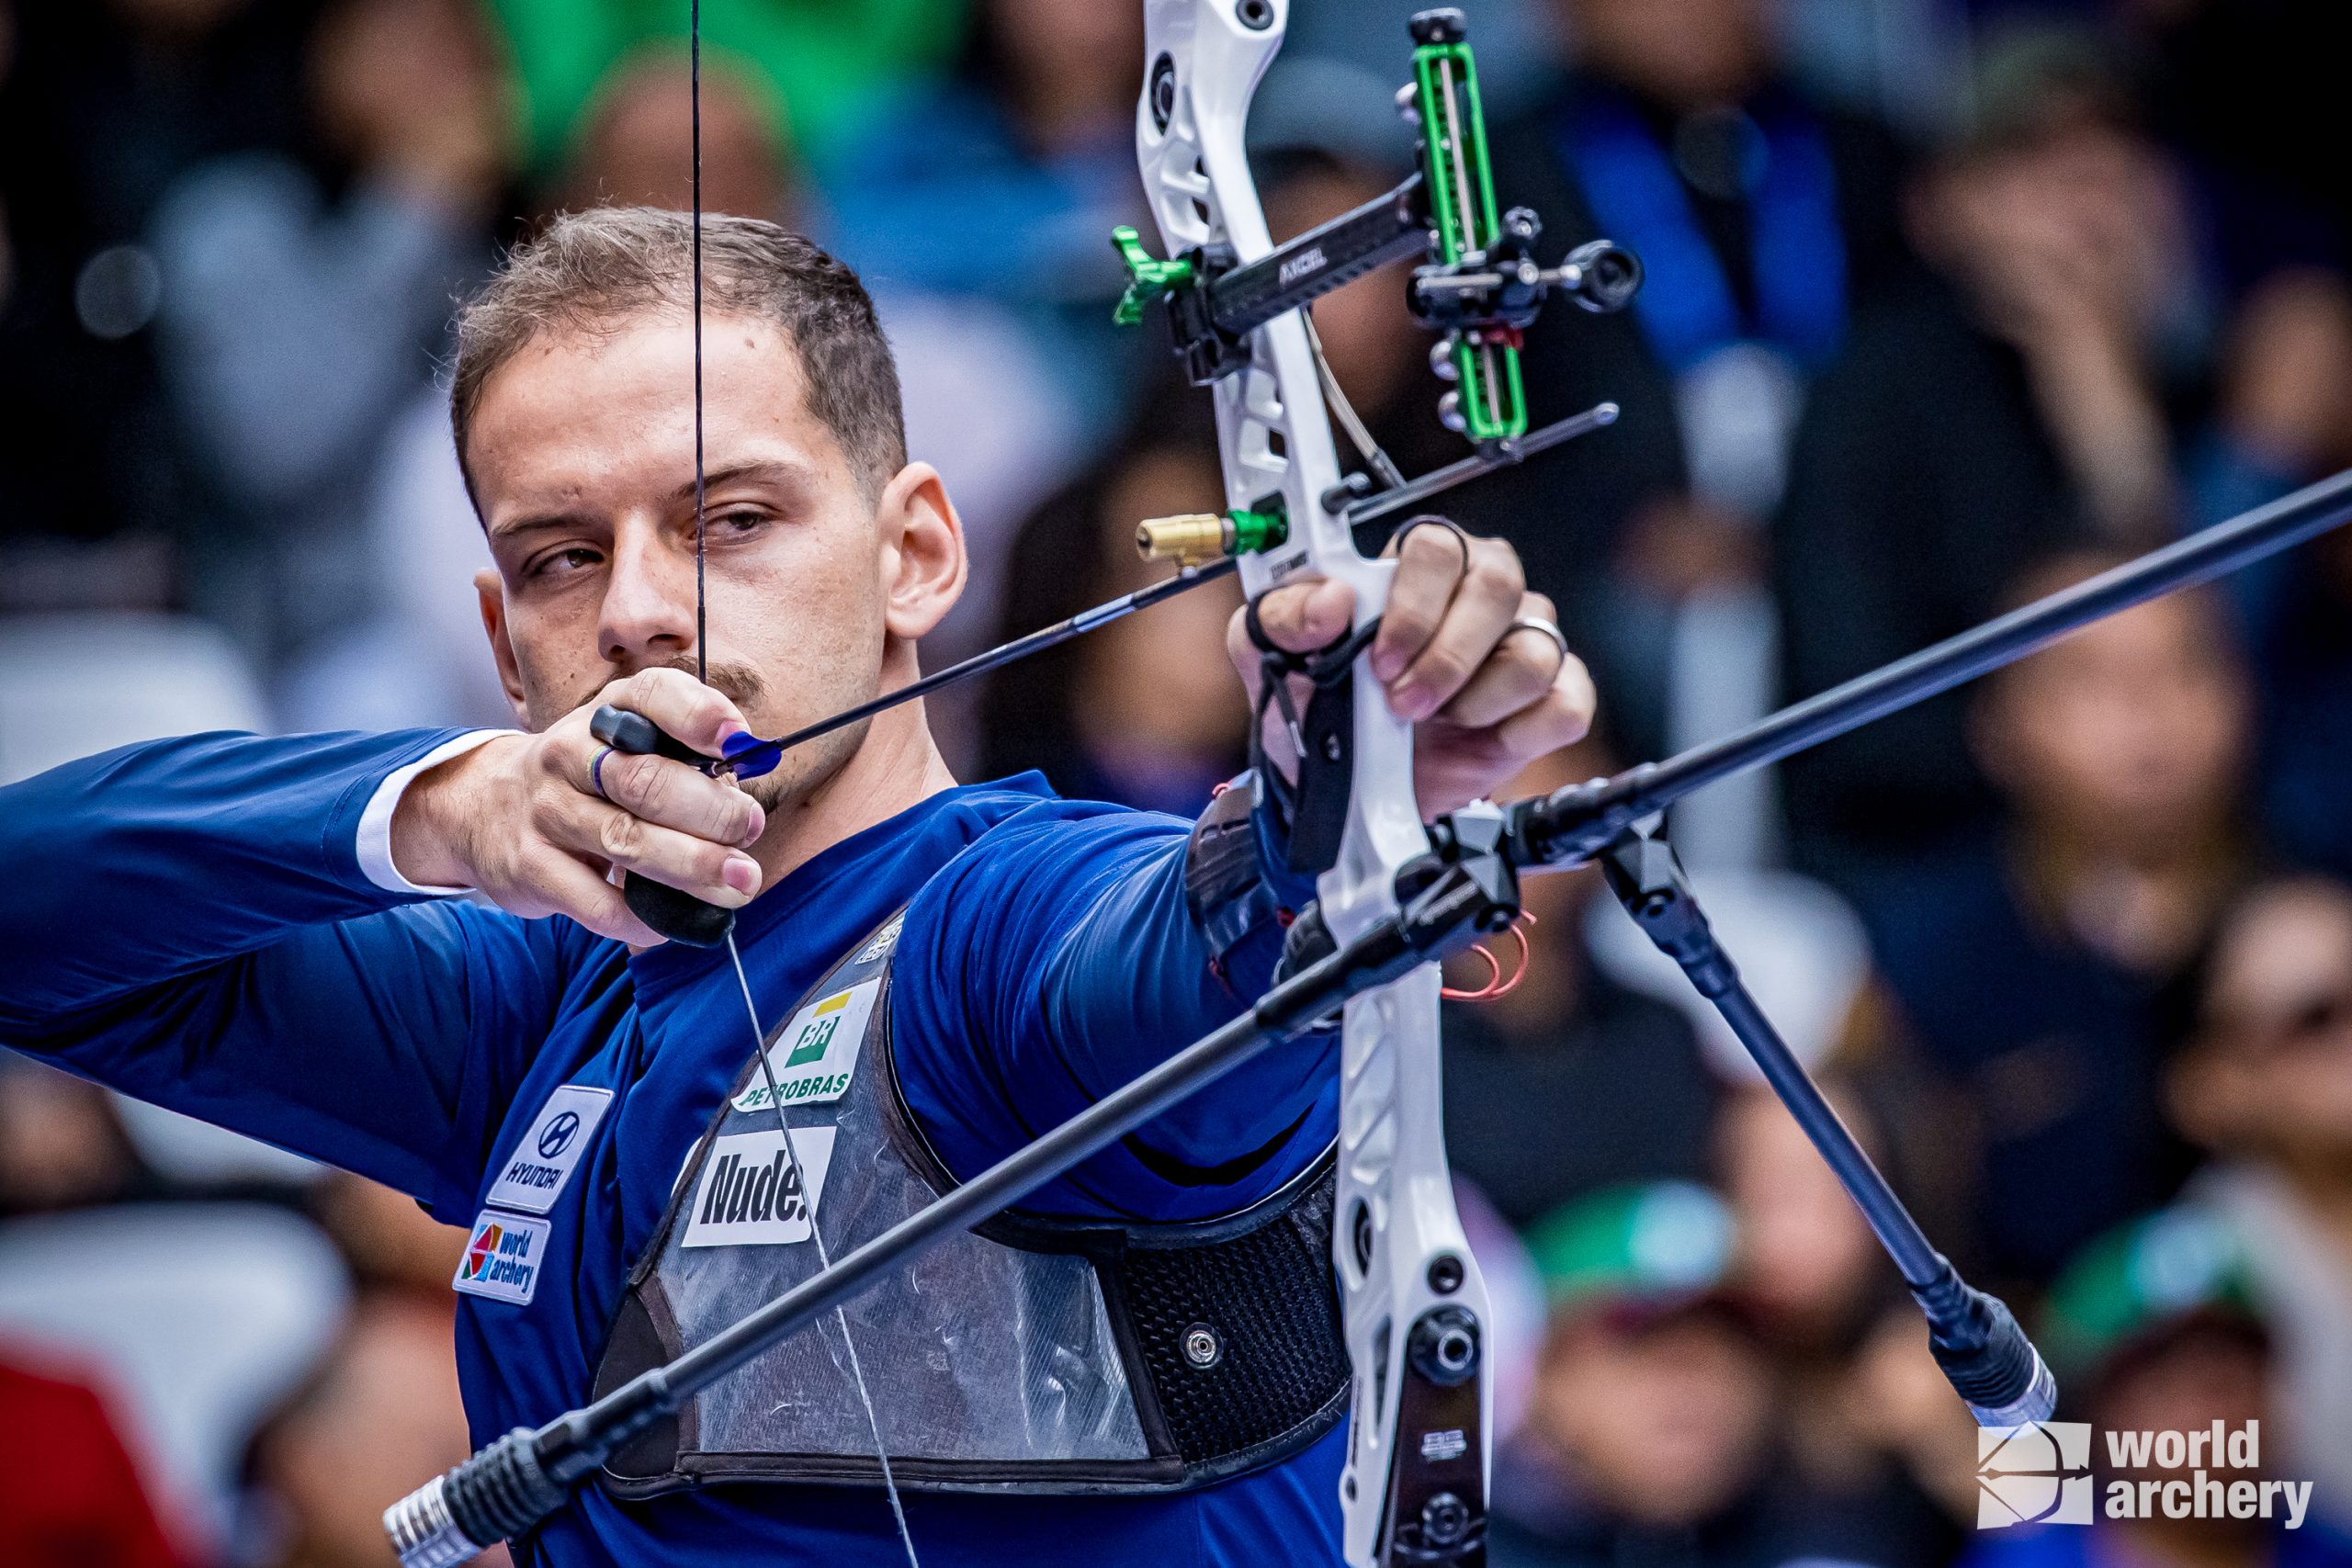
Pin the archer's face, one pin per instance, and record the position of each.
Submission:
(583, 454)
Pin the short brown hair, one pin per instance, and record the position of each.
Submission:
(594, 268)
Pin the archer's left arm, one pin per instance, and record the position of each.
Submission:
(1059, 957)
(1064, 957)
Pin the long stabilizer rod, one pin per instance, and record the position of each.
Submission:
(1575, 824)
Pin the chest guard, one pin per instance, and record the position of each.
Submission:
(1026, 1355)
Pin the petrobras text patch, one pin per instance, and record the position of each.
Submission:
(750, 1195)
(536, 1172)
(503, 1258)
(815, 1056)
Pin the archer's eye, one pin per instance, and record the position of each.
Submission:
(736, 520)
(558, 563)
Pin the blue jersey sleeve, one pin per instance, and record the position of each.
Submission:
(1054, 960)
(187, 921)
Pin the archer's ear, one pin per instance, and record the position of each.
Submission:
(923, 563)
(491, 590)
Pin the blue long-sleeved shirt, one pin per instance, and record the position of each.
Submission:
(189, 921)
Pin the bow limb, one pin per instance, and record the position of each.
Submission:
(1414, 1307)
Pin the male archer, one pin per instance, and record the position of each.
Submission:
(261, 933)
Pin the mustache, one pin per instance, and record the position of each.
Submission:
(740, 684)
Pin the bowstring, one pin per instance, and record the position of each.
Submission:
(824, 1259)
(702, 674)
(693, 110)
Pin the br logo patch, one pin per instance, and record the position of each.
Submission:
(815, 1056)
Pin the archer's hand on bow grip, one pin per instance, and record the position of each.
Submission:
(675, 914)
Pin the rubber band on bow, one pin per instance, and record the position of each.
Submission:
(1496, 985)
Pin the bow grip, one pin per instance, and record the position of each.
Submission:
(675, 913)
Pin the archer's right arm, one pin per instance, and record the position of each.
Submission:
(211, 923)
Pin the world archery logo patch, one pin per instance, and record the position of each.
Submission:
(815, 1056)
(549, 1149)
(503, 1258)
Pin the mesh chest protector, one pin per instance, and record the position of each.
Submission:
(1027, 1355)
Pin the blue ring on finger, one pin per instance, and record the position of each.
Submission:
(596, 773)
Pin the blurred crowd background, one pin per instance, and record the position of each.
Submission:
(1949, 304)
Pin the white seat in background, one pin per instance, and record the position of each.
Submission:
(200, 1316)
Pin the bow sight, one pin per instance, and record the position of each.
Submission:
(1479, 284)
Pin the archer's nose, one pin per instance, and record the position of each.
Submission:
(647, 616)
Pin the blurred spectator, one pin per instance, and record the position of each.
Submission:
(303, 305)
(1920, 1467)
(634, 147)
(1004, 179)
(1653, 1439)
(824, 62)
(2305, 653)
(1132, 713)
(1762, 220)
(1808, 1269)
(2006, 406)
(2032, 967)
(70, 1494)
(2152, 1333)
(102, 106)
(2283, 414)
(1029, 142)
(2264, 1083)
(378, 1417)
(1568, 1082)
(201, 1314)
(388, 1240)
(2285, 419)
(60, 1145)
(1812, 1280)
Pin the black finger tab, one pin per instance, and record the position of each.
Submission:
(675, 914)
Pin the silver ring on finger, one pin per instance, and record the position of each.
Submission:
(1543, 628)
